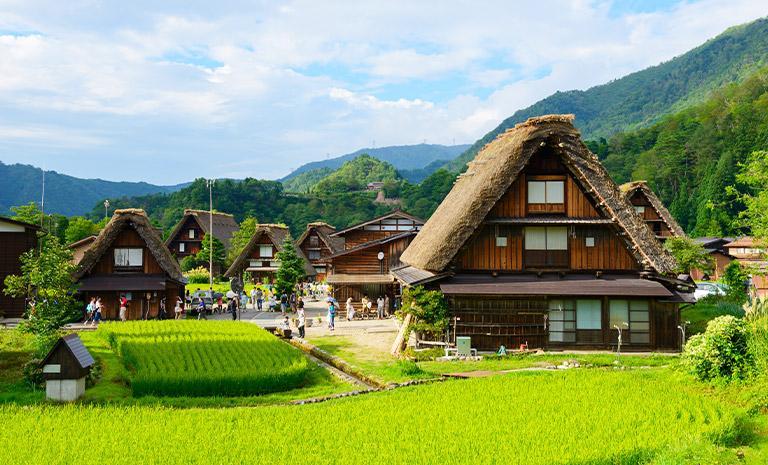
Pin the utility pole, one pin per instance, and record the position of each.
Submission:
(106, 208)
(210, 232)
(42, 202)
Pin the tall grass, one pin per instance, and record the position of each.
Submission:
(204, 358)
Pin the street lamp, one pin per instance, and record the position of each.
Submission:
(106, 208)
(210, 183)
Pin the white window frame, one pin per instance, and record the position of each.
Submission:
(264, 247)
(191, 234)
(551, 237)
(546, 192)
(129, 257)
(182, 247)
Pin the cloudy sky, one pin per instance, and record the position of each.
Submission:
(165, 91)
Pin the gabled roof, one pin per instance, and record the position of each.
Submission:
(745, 241)
(5, 219)
(397, 213)
(224, 225)
(630, 188)
(373, 243)
(498, 165)
(74, 345)
(276, 234)
(324, 231)
(82, 242)
(137, 220)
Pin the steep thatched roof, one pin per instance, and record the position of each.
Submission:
(497, 166)
(224, 225)
(630, 188)
(276, 234)
(137, 220)
(324, 231)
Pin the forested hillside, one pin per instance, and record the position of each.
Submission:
(355, 175)
(64, 194)
(642, 98)
(691, 158)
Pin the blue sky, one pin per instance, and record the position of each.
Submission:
(168, 91)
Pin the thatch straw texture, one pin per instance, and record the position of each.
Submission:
(276, 234)
(497, 166)
(629, 190)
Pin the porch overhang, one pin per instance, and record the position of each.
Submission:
(123, 283)
(574, 285)
(342, 278)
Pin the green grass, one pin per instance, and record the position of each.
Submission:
(574, 417)
(204, 358)
(16, 349)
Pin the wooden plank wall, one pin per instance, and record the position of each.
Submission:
(13, 245)
(609, 252)
(361, 262)
(513, 204)
(127, 238)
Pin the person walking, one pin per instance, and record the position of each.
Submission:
(331, 315)
(301, 318)
(293, 301)
(283, 302)
(201, 310)
(177, 309)
(350, 310)
(380, 307)
(232, 307)
(253, 298)
(97, 312)
(386, 306)
(259, 299)
(89, 309)
(123, 308)
(161, 312)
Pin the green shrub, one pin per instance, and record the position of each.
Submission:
(408, 368)
(722, 352)
(736, 276)
(191, 262)
(429, 309)
(758, 341)
(198, 275)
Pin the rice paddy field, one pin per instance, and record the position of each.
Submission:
(204, 358)
(573, 417)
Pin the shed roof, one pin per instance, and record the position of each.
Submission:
(5, 219)
(75, 346)
(498, 165)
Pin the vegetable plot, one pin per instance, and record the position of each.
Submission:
(204, 358)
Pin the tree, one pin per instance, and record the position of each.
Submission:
(79, 228)
(28, 213)
(241, 237)
(46, 277)
(689, 255)
(754, 175)
(291, 269)
(736, 277)
(219, 253)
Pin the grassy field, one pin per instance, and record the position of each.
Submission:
(702, 312)
(204, 358)
(575, 417)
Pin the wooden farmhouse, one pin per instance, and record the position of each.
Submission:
(129, 258)
(535, 244)
(650, 208)
(715, 247)
(755, 255)
(370, 250)
(186, 238)
(16, 238)
(259, 257)
(317, 245)
(79, 248)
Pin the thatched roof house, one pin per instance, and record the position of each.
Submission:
(129, 257)
(258, 256)
(224, 226)
(650, 208)
(318, 245)
(536, 245)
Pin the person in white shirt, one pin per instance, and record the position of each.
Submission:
(380, 307)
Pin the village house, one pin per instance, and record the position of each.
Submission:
(317, 245)
(79, 248)
(536, 245)
(752, 254)
(715, 247)
(16, 238)
(186, 238)
(370, 250)
(129, 258)
(650, 208)
(259, 257)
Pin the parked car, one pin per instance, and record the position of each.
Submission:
(708, 289)
(195, 304)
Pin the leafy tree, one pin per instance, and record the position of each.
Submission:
(291, 269)
(46, 278)
(79, 228)
(219, 253)
(753, 174)
(191, 262)
(355, 175)
(736, 277)
(29, 213)
(241, 237)
(429, 309)
(689, 255)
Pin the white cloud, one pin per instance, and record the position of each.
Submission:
(266, 87)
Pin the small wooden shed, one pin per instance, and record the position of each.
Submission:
(65, 368)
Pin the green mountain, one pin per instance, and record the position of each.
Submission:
(643, 98)
(691, 158)
(303, 182)
(66, 195)
(354, 175)
(402, 157)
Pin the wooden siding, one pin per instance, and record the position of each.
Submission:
(130, 239)
(13, 245)
(313, 243)
(139, 304)
(191, 246)
(608, 253)
(514, 203)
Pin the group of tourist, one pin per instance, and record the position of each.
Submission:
(382, 307)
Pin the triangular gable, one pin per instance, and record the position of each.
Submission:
(224, 225)
(394, 214)
(323, 231)
(137, 220)
(498, 165)
(276, 235)
(642, 188)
